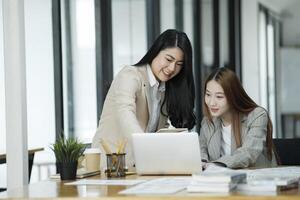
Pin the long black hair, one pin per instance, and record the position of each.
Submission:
(180, 90)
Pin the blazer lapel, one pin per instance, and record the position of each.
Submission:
(243, 131)
(244, 126)
(163, 119)
(147, 94)
(233, 142)
(146, 85)
(214, 146)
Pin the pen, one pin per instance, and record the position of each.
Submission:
(105, 146)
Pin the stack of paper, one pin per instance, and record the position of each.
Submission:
(270, 179)
(159, 186)
(269, 184)
(216, 181)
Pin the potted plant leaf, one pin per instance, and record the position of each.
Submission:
(67, 153)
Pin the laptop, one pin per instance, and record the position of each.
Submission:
(166, 153)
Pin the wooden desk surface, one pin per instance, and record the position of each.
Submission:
(55, 189)
(30, 151)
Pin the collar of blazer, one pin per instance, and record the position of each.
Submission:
(215, 141)
(214, 147)
(218, 123)
(216, 137)
(145, 82)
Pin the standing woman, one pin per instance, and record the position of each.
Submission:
(143, 96)
(235, 131)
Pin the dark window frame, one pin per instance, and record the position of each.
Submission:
(104, 52)
(153, 20)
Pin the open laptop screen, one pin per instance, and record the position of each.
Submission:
(167, 153)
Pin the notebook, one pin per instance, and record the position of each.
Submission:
(166, 153)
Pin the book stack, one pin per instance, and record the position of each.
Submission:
(216, 182)
(270, 180)
(268, 184)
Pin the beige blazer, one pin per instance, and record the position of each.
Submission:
(125, 111)
(253, 151)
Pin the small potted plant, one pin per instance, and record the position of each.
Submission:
(67, 153)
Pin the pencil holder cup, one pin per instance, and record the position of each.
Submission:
(116, 166)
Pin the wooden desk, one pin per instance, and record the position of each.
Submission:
(55, 189)
(31, 153)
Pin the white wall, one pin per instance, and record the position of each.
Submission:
(40, 80)
(2, 89)
(40, 83)
(250, 43)
(129, 32)
(83, 69)
(249, 32)
(2, 103)
(188, 19)
(291, 28)
(167, 19)
(289, 14)
(290, 80)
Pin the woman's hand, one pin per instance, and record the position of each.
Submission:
(212, 165)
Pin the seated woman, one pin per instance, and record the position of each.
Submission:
(143, 96)
(235, 131)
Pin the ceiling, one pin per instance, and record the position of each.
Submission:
(288, 10)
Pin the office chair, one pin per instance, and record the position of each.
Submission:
(288, 151)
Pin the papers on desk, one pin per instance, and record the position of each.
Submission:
(159, 186)
(272, 172)
(105, 182)
(221, 181)
(264, 181)
(270, 179)
(269, 184)
(219, 177)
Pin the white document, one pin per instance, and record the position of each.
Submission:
(105, 182)
(160, 186)
(211, 167)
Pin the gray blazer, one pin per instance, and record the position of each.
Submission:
(252, 153)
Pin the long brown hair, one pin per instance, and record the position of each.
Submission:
(239, 103)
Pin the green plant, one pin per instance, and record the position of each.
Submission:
(67, 150)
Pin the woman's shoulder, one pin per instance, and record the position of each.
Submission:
(207, 124)
(130, 70)
(259, 113)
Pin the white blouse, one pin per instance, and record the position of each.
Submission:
(156, 91)
(226, 140)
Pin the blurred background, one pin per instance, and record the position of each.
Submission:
(74, 48)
